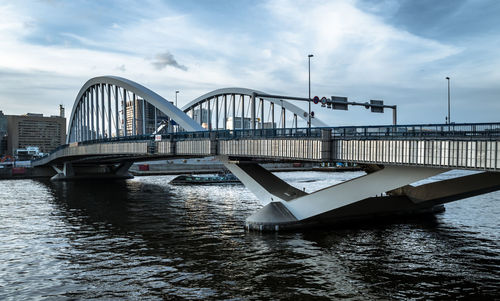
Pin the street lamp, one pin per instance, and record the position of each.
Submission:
(309, 115)
(176, 92)
(448, 78)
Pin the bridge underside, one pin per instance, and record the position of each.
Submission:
(98, 166)
(383, 192)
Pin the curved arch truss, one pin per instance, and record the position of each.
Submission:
(241, 108)
(110, 106)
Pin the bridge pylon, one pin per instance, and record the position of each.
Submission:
(384, 192)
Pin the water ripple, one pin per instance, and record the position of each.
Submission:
(146, 239)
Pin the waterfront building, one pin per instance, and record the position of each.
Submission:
(3, 134)
(46, 133)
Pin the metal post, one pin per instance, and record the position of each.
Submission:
(242, 98)
(394, 115)
(117, 113)
(216, 113)
(225, 112)
(449, 120)
(176, 92)
(125, 113)
(283, 116)
(134, 120)
(78, 119)
(82, 116)
(309, 100)
(262, 114)
(82, 105)
(234, 110)
(252, 111)
(87, 116)
(209, 115)
(97, 111)
(143, 117)
(272, 115)
(103, 112)
(109, 112)
(92, 132)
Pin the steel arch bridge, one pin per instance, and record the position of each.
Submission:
(108, 107)
(111, 106)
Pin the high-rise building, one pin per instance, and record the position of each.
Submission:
(204, 115)
(3, 134)
(149, 115)
(46, 133)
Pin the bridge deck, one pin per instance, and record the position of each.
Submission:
(465, 146)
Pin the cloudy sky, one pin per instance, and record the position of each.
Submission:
(396, 50)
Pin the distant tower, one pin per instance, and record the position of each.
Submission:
(61, 111)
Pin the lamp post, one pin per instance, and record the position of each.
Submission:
(448, 78)
(176, 92)
(309, 115)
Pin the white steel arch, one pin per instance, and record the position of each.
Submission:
(80, 113)
(249, 92)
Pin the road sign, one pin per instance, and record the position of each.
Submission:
(316, 99)
(157, 137)
(378, 106)
(339, 103)
(323, 100)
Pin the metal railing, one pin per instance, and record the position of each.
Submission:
(458, 130)
(420, 131)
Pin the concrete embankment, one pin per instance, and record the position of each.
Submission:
(9, 173)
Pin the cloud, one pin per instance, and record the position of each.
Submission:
(165, 59)
(357, 53)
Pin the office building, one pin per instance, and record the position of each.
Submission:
(3, 134)
(46, 133)
(149, 115)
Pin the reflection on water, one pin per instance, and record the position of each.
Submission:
(146, 239)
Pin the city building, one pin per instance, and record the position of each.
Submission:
(248, 124)
(3, 134)
(149, 115)
(204, 116)
(24, 131)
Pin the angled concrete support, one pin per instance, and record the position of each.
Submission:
(65, 171)
(69, 172)
(289, 207)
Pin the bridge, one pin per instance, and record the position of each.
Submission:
(115, 122)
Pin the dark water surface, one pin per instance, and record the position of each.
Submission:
(145, 239)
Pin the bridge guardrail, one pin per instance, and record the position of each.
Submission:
(436, 131)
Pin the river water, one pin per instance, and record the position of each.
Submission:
(145, 239)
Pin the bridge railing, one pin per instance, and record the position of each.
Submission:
(421, 131)
(462, 130)
(459, 131)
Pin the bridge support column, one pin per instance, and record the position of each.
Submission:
(382, 192)
(69, 171)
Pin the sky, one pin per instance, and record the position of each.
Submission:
(399, 51)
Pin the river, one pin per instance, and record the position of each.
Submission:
(145, 239)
